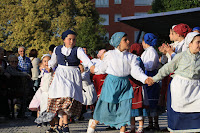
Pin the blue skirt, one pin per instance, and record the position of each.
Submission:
(181, 122)
(153, 93)
(139, 112)
(114, 105)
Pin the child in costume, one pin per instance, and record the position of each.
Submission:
(98, 78)
(183, 99)
(150, 59)
(65, 92)
(113, 107)
(140, 100)
(89, 93)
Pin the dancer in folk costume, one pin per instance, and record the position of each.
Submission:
(151, 60)
(98, 78)
(177, 34)
(140, 100)
(183, 99)
(65, 92)
(89, 93)
(113, 108)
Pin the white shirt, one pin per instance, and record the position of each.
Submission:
(66, 51)
(150, 59)
(121, 64)
(178, 49)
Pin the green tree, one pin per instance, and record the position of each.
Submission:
(40, 23)
(172, 5)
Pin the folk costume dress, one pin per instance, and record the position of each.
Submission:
(140, 100)
(98, 78)
(46, 79)
(65, 92)
(150, 59)
(89, 92)
(113, 107)
(183, 98)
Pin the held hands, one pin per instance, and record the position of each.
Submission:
(149, 81)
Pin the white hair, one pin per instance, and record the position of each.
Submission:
(21, 47)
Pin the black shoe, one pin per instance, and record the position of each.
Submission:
(65, 128)
(39, 125)
(110, 128)
(149, 128)
(45, 124)
(50, 130)
(156, 128)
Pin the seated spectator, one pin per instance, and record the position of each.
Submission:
(21, 83)
(12, 68)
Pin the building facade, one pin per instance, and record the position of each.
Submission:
(111, 10)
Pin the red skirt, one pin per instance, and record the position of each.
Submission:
(98, 81)
(163, 91)
(137, 101)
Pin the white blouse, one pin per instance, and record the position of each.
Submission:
(150, 59)
(66, 51)
(178, 49)
(121, 64)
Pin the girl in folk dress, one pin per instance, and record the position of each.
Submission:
(113, 108)
(65, 92)
(89, 93)
(151, 60)
(183, 94)
(41, 96)
(140, 100)
(98, 78)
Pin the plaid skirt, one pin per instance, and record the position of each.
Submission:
(68, 105)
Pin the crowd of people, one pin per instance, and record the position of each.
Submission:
(120, 86)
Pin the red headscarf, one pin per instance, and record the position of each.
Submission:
(137, 49)
(182, 29)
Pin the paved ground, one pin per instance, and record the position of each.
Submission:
(28, 125)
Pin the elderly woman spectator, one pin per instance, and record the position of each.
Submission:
(19, 83)
(35, 69)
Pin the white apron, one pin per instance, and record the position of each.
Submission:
(185, 94)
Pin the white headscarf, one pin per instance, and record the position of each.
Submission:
(44, 55)
(188, 39)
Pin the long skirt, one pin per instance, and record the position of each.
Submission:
(153, 93)
(114, 105)
(179, 121)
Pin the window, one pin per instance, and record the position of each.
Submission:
(136, 35)
(117, 16)
(140, 13)
(105, 18)
(118, 1)
(102, 3)
(143, 2)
